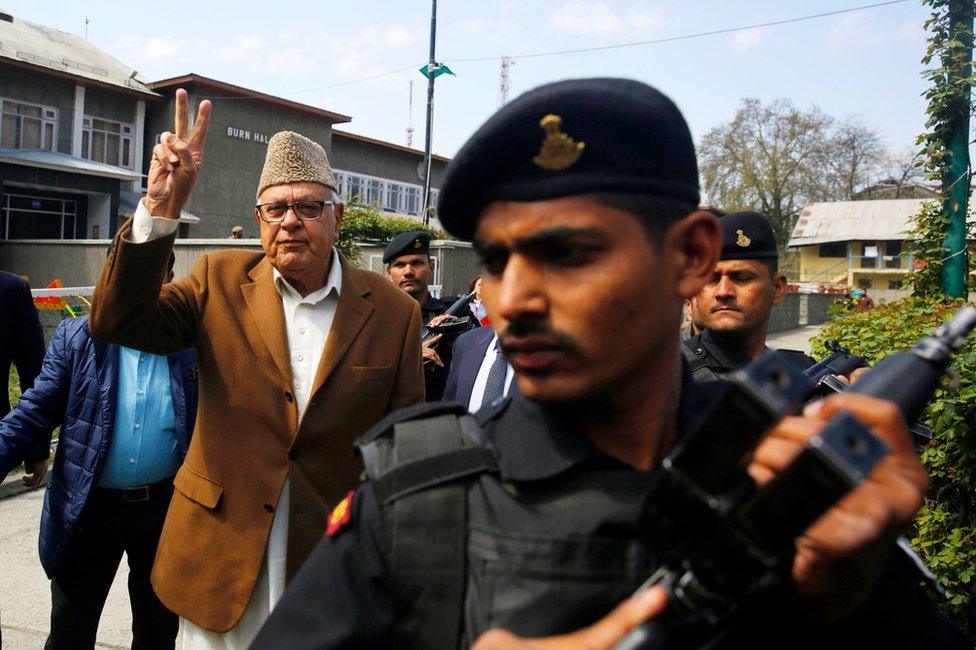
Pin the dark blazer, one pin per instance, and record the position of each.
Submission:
(77, 386)
(21, 336)
(469, 352)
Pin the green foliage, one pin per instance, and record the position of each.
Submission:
(948, 94)
(364, 223)
(13, 386)
(945, 528)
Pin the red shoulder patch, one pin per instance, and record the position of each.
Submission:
(341, 515)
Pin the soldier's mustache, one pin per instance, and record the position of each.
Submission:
(540, 334)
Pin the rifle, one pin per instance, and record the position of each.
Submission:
(454, 328)
(724, 540)
(826, 374)
(453, 310)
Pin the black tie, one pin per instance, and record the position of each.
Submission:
(495, 386)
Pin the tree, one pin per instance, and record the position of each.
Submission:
(855, 158)
(776, 158)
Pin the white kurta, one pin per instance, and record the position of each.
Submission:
(308, 321)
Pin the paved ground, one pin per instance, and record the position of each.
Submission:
(798, 339)
(25, 593)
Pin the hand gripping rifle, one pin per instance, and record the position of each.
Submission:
(452, 328)
(722, 539)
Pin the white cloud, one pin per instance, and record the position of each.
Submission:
(585, 17)
(748, 37)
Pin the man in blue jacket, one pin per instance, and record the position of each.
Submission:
(126, 419)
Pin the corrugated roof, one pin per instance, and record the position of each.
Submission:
(27, 44)
(839, 221)
(65, 163)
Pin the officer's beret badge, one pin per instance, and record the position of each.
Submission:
(558, 151)
(742, 240)
(416, 243)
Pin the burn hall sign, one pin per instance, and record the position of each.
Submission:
(250, 136)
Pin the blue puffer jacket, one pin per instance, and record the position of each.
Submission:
(77, 389)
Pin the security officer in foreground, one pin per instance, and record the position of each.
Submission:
(578, 196)
(409, 266)
(735, 305)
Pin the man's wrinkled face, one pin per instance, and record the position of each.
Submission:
(565, 282)
(412, 273)
(299, 248)
(737, 300)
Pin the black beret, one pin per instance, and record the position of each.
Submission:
(747, 236)
(571, 137)
(412, 242)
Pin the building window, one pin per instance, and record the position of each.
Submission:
(38, 217)
(28, 126)
(833, 249)
(107, 141)
(390, 196)
(864, 283)
(894, 284)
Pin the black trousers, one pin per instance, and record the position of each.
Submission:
(112, 523)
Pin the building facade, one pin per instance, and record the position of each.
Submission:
(72, 123)
(77, 130)
(856, 244)
(379, 173)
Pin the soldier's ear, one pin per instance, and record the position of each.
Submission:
(693, 245)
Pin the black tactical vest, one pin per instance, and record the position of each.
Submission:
(468, 551)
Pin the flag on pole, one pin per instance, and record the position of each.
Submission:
(435, 70)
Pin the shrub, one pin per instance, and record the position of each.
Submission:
(364, 223)
(945, 529)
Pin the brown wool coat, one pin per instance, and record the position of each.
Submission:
(247, 437)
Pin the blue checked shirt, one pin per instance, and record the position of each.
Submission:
(144, 446)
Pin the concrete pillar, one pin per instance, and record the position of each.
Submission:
(76, 125)
(138, 144)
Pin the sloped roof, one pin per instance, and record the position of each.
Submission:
(64, 163)
(840, 221)
(240, 91)
(27, 44)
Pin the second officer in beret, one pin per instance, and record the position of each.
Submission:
(410, 267)
(735, 305)
(581, 199)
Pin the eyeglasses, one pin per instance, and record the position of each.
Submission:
(304, 210)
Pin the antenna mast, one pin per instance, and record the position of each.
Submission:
(504, 83)
(410, 118)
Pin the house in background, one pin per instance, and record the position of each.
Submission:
(856, 244)
(71, 134)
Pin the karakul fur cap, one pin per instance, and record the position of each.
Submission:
(293, 158)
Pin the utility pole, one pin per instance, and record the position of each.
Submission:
(432, 63)
(955, 182)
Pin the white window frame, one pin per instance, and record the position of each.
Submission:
(393, 196)
(49, 117)
(127, 140)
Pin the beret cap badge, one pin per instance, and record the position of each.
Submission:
(742, 240)
(558, 150)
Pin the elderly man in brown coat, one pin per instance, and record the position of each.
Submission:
(300, 353)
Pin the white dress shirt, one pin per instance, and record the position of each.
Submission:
(478, 390)
(308, 322)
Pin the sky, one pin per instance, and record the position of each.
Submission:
(863, 64)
